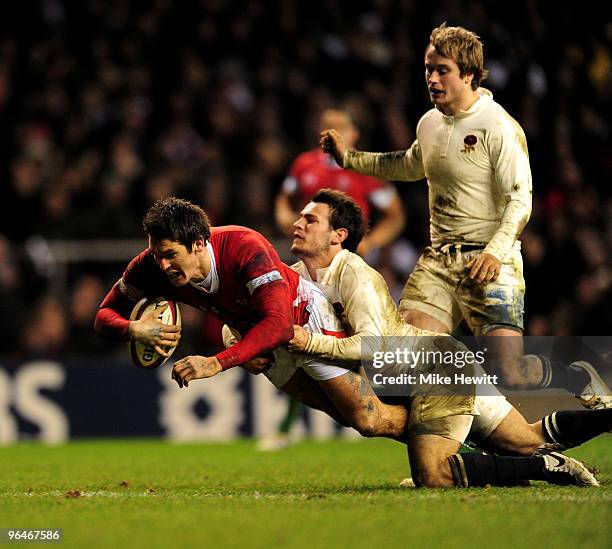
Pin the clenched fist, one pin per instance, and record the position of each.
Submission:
(333, 143)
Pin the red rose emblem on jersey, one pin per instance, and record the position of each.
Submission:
(469, 142)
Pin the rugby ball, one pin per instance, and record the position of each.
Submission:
(145, 356)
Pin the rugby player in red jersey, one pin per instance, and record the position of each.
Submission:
(235, 274)
(314, 170)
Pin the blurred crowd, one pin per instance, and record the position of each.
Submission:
(108, 105)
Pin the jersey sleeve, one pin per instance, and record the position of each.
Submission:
(510, 159)
(360, 294)
(257, 264)
(260, 272)
(397, 166)
(112, 318)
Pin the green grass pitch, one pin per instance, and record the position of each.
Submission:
(137, 493)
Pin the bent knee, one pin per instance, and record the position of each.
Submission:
(431, 479)
(434, 475)
(366, 425)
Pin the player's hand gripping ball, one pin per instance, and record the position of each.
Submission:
(144, 355)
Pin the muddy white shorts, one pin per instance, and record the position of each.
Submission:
(440, 287)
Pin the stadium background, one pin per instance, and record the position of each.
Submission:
(106, 106)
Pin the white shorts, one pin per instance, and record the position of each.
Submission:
(440, 287)
(322, 319)
(286, 364)
(490, 412)
(455, 427)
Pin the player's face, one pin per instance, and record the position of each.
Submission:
(342, 123)
(312, 232)
(448, 90)
(178, 263)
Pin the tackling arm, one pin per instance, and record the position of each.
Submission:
(361, 295)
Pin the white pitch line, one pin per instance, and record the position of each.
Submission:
(590, 496)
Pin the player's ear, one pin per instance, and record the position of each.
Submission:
(199, 245)
(340, 235)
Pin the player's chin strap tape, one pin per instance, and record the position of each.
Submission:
(458, 469)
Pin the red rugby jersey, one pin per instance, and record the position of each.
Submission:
(252, 291)
(315, 170)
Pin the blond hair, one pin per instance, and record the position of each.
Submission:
(464, 48)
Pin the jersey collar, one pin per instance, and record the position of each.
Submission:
(323, 272)
(485, 97)
(210, 284)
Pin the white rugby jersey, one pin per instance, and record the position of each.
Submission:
(362, 301)
(477, 169)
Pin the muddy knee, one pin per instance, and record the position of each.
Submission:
(435, 475)
(367, 423)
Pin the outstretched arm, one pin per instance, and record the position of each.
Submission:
(397, 166)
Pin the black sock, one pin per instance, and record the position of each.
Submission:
(571, 428)
(568, 349)
(563, 376)
(480, 470)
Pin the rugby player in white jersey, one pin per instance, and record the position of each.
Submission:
(329, 229)
(475, 159)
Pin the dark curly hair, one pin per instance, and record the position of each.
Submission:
(177, 220)
(344, 214)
